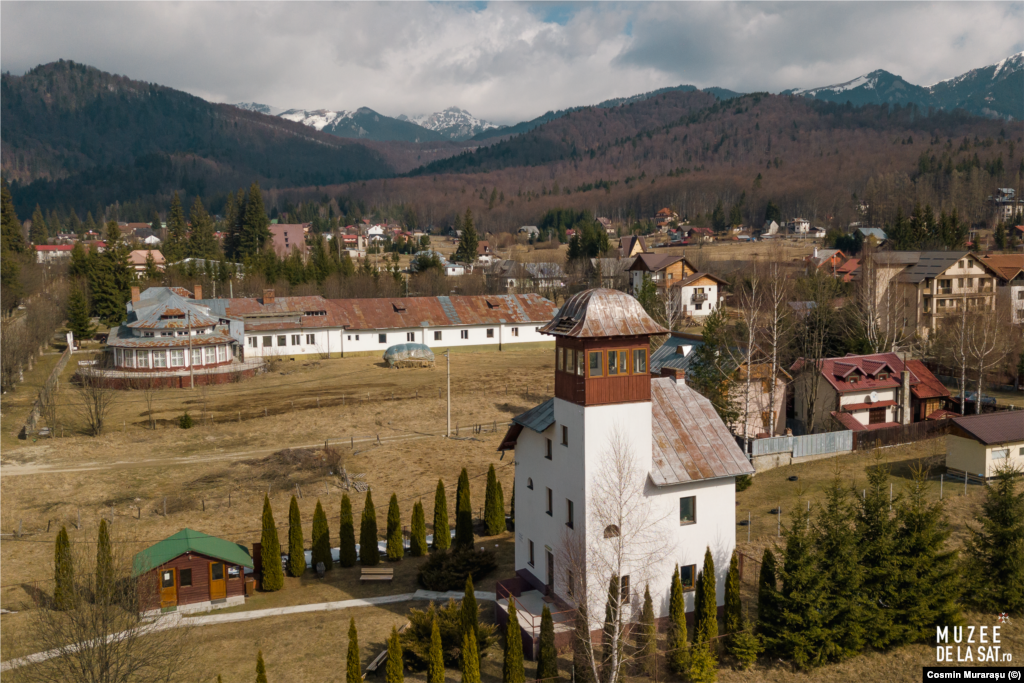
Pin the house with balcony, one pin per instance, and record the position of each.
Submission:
(688, 293)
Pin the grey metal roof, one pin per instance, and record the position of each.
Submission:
(691, 443)
(539, 417)
(931, 264)
(602, 313)
(157, 302)
(877, 233)
(668, 355)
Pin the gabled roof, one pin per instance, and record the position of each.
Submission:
(158, 302)
(696, 276)
(930, 386)
(991, 428)
(652, 263)
(188, 540)
(671, 353)
(923, 384)
(1008, 266)
(602, 313)
(691, 443)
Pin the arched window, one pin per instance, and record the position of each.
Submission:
(529, 483)
(611, 531)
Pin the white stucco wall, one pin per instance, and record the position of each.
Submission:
(862, 416)
(976, 458)
(326, 340)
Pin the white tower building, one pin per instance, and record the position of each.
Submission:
(620, 473)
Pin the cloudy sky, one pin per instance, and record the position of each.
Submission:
(502, 61)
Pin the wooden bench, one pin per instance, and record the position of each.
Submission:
(377, 574)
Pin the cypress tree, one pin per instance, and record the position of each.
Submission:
(64, 596)
(501, 506)
(418, 531)
(512, 670)
(800, 636)
(104, 565)
(647, 637)
(582, 646)
(995, 549)
(928, 588)
(878, 554)
(175, 247)
(494, 516)
(547, 658)
(611, 645)
(463, 513)
(369, 553)
(470, 611)
(512, 503)
(442, 532)
(435, 658)
(768, 598)
(678, 645)
(470, 659)
(79, 322)
(733, 603)
(352, 665)
(296, 544)
(394, 533)
(270, 551)
(261, 668)
(840, 570)
(38, 233)
(395, 671)
(347, 534)
(321, 539)
(705, 622)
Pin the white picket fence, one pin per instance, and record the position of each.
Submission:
(800, 446)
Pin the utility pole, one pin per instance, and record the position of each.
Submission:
(191, 372)
(447, 355)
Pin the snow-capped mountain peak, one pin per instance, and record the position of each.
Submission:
(260, 108)
(453, 123)
(317, 118)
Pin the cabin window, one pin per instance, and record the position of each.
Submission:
(530, 544)
(688, 510)
(1000, 453)
(595, 364)
(688, 576)
(268, 341)
(159, 359)
(167, 579)
(569, 514)
(613, 366)
(579, 363)
(296, 339)
(550, 509)
(639, 361)
(437, 336)
(410, 336)
(184, 577)
(177, 358)
(197, 356)
(282, 340)
(515, 331)
(490, 333)
(623, 362)
(211, 355)
(560, 359)
(143, 359)
(311, 339)
(234, 572)
(382, 338)
(548, 453)
(611, 531)
(464, 334)
(253, 342)
(222, 353)
(876, 416)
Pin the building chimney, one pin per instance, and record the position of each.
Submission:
(676, 374)
(268, 296)
(198, 294)
(905, 398)
(135, 295)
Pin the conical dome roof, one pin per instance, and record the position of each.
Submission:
(602, 313)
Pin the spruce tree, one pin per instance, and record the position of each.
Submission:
(418, 531)
(395, 548)
(470, 611)
(254, 233)
(647, 637)
(104, 565)
(296, 544)
(395, 670)
(435, 657)
(442, 532)
(12, 239)
(352, 665)
(151, 272)
(843, 611)
(261, 668)
(38, 233)
(733, 602)
(463, 513)
(270, 551)
(64, 594)
(677, 644)
(79, 322)
(494, 513)
(90, 224)
(79, 266)
(876, 531)
(995, 549)
(768, 598)
(468, 242)
(369, 553)
(547, 658)
(470, 659)
(801, 636)
(201, 241)
(703, 666)
(512, 670)
(155, 225)
(347, 534)
(582, 647)
(175, 247)
(705, 618)
(321, 539)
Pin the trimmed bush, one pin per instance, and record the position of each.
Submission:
(395, 670)
(547, 659)
(470, 660)
(494, 509)
(321, 539)
(470, 610)
(347, 534)
(512, 670)
(270, 551)
(352, 668)
(463, 513)
(104, 565)
(369, 554)
(64, 596)
(418, 531)
(296, 544)
(261, 668)
(435, 656)
(442, 531)
(394, 534)
(446, 570)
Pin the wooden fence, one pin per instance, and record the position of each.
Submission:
(32, 423)
(893, 436)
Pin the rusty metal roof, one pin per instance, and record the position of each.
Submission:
(156, 303)
(602, 313)
(122, 337)
(441, 311)
(691, 443)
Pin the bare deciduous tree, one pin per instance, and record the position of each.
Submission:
(815, 328)
(987, 341)
(879, 304)
(952, 346)
(775, 322)
(95, 399)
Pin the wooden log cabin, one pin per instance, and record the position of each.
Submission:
(191, 572)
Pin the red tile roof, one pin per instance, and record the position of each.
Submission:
(930, 386)
(54, 247)
(851, 423)
(923, 384)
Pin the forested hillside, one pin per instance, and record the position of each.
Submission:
(74, 136)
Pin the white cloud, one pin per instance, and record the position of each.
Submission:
(503, 61)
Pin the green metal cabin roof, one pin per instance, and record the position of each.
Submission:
(189, 540)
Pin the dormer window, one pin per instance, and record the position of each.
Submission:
(883, 375)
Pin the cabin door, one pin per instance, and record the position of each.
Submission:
(168, 588)
(218, 583)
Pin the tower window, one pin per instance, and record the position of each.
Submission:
(579, 364)
(550, 509)
(565, 435)
(640, 361)
(529, 483)
(688, 510)
(611, 531)
(595, 364)
(623, 362)
(530, 543)
(569, 514)
(560, 359)
(613, 364)
(548, 453)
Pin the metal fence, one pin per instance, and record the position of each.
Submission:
(800, 446)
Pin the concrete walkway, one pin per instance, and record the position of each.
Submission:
(175, 620)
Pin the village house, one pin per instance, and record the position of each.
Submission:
(1009, 268)
(828, 259)
(877, 234)
(287, 236)
(867, 392)
(190, 572)
(137, 260)
(145, 236)
(632, 245)
(608, 414)
(689, 293)
(978, 445)
(52, 253)
(1005, 204)
(800, 226)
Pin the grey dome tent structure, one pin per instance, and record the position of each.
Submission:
(409, 356)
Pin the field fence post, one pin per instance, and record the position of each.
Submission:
(780, 520)
(965, 483)
(229, 499)
(111, 514)
(19, 528)
(317, 401)
(79, 525)
(165, 506)
(204, 505)
(239, 415)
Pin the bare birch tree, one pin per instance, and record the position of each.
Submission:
(815, 328)
(879, 304)
(953, 347)
(986, 344)
(749, 301)
(774, 333)
(94, 401)
(623, 536)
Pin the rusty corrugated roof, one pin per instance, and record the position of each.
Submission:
(441, 311)
(122, 337)
(602, 313)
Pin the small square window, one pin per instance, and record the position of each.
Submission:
(282, 340)
(515, 331)
(252, 342)
(268, 341)
(185, 577)
(311, 339)
(464, 334)
(624, 590)
(410, 336)
(639, 361)
(296, 340)
(613, 365)
(357, 337)
(548, 454)
(688, 510)
(688, 576)
(623, 362)
(579, 363)
(437, 336)
(350, 337)
(565, 435)
(490, 333)
(382, 338)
